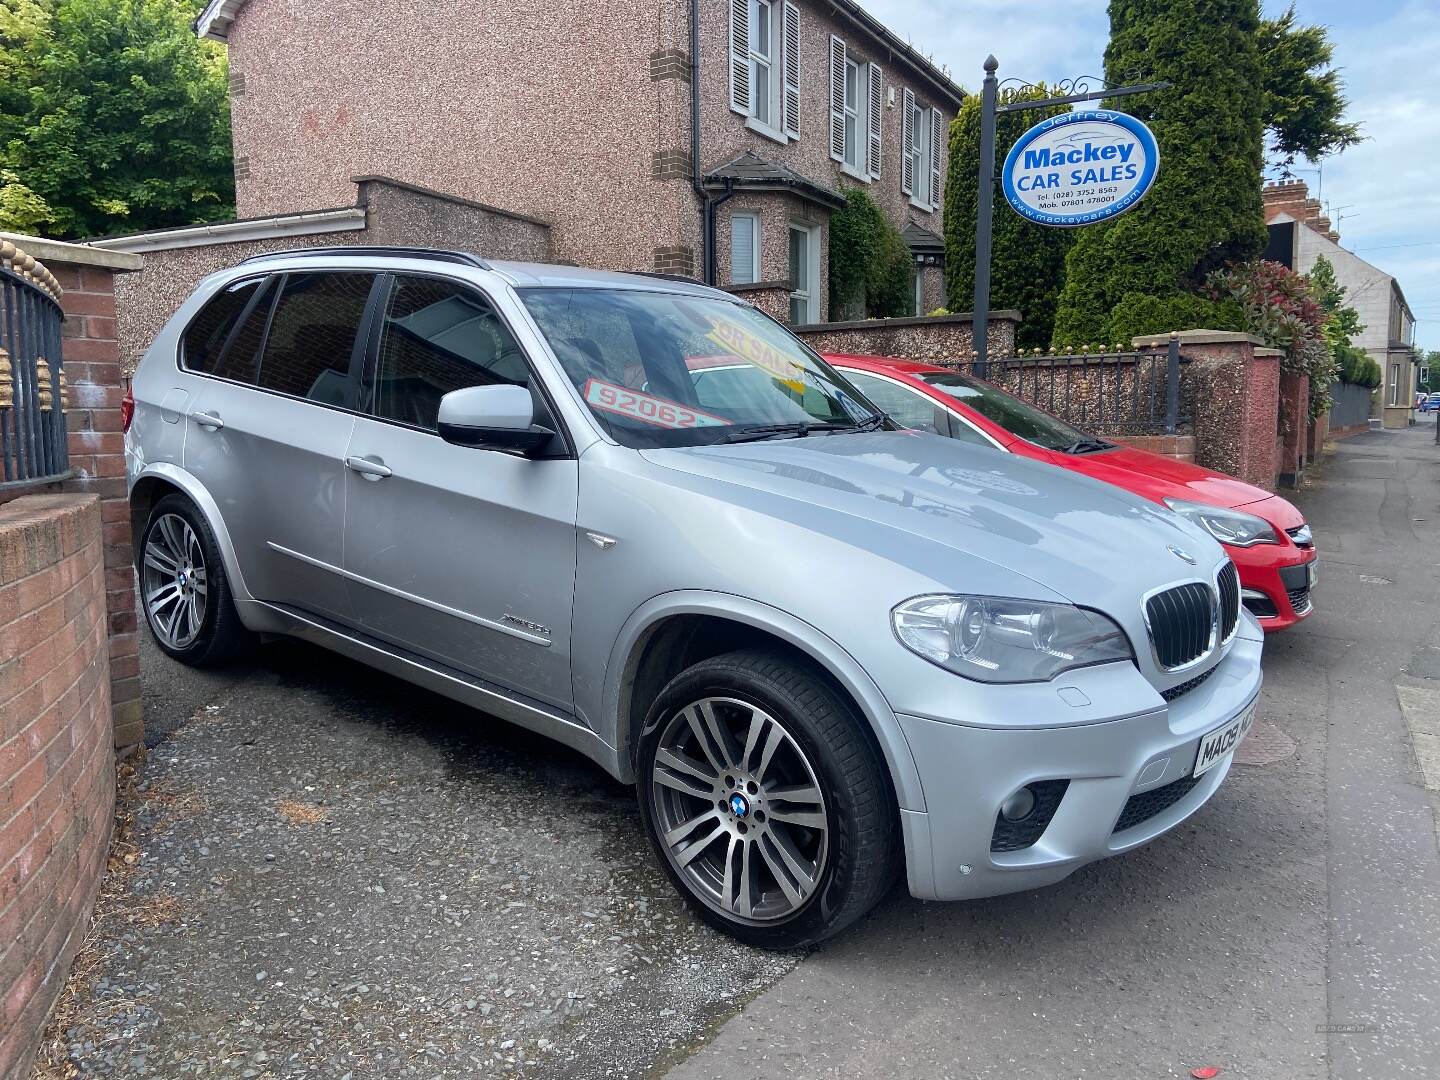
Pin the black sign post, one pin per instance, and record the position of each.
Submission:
(1072, 90)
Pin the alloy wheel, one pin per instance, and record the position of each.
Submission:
(173, 581)
(739, 811)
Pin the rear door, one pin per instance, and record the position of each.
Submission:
(268, 431)
(462, 555)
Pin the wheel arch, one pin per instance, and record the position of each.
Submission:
(161, 479)
(674, 630)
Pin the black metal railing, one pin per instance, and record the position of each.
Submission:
(1124, 392)
(33, 394)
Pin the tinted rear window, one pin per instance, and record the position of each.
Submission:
(206, 335)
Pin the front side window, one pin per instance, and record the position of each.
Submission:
(662, 369)
(312, 336)
(912, 409)
(1012, 414)
(438, 336)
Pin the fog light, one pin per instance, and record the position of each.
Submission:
(1018, 806)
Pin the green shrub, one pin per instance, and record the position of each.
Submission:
(870, 265)
(1138, 314)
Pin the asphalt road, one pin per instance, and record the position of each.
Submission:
(1290, 929)
(337, 875)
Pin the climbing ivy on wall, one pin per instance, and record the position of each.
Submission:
(870, 264)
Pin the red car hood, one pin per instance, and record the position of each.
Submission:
(1156, 477)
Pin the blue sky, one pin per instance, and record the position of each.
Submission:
(1388, 186)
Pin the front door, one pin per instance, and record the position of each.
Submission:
(267, 435)
(462, 555)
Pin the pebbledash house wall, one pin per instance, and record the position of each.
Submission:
(382, 211)
(587, 131)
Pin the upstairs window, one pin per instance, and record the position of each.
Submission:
(922, 137)
(855, 112)
(765, 66)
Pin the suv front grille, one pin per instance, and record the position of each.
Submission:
(1228, 583)
(1182, 623)
(1188, 685)
(1144, 806)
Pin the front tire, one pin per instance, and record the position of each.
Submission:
(766, 800)
(184, 592)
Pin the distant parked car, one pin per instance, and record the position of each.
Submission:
(1265, 536)
(1431, 403)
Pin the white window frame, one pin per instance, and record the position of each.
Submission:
(754, 219)
(919, 290)
(856, 120)
(772, 13)
(920, 136)
(810, 295)
(1394, 384)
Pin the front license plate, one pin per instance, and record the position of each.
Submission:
(1221, 741)
(1312, 575)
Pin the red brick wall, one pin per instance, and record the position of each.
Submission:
(1295, 409)
(57, 784)
(91, 354)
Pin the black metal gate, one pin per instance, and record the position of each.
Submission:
(32, 378)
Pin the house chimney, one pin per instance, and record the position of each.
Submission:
(1292, 197)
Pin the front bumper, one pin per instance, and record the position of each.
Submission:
(1275, 583)
(1128, 782)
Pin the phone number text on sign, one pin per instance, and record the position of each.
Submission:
(647, 409)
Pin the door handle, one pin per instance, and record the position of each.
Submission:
(367, 467)
(208, 420)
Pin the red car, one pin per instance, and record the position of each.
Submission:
(1264, 534)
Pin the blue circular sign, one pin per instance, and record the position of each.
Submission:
(1080, 167)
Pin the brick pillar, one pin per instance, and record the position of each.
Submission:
(91, 357)
(1295, 413)
(1231, 383)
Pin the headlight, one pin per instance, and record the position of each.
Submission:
(996, 640)
(1228, 526)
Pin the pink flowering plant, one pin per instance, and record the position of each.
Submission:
(1281, 308)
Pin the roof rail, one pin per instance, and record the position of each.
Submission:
(395, 251)
(668, 277)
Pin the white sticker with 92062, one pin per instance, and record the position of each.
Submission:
(1221, 741)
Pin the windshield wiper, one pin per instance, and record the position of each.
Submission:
(769, 431)
(1086, 446)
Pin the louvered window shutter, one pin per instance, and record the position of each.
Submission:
(907, 142)
(790, 104)
(837, 98)
(876, 113)
(937, 148)
(740, 56)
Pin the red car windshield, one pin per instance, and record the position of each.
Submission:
(1014, 415)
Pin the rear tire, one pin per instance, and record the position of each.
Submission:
(766, 800)
(184, 591)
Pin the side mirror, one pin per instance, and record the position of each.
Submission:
(499, 417)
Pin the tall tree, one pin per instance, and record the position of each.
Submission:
(115, 117)
(1304, 100)
(1204, 210)
(1026, 259)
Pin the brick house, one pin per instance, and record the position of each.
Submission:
(1300, 233)
(706, 139)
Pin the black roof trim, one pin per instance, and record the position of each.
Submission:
(394, 251)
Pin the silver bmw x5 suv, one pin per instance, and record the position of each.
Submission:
(640, 517)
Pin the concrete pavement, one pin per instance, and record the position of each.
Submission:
(1288, 930)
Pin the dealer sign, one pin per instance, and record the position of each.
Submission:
(1080, 167)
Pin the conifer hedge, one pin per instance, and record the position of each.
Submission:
(1204, 211)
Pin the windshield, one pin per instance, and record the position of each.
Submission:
(1014, 415)
(664, 369)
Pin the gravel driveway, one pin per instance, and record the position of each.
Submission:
(343, 876)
